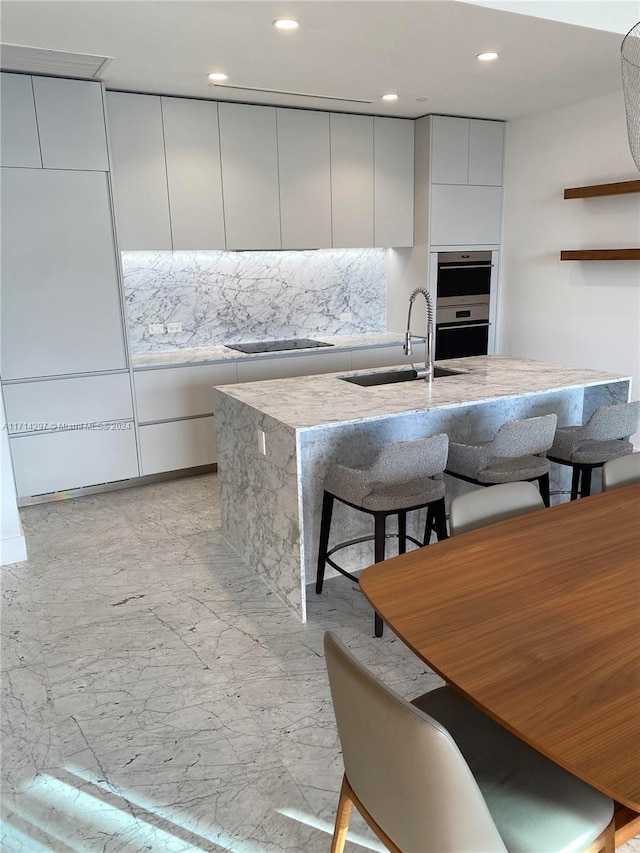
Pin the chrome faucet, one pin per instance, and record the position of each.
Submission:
(428, 338)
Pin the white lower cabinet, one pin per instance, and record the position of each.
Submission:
(52, 403)
(257, 370)
(179, 392)
(361, 359)
(71, 459)
(175, 445)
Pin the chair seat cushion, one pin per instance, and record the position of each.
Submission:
(599, 452)
(511, 470)
(389, 497)
(521, 787)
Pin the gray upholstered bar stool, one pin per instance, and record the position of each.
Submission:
(399, 480)
(515, 453)
(605, 436)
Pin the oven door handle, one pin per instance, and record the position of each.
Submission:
(462, 326)
(466, 267)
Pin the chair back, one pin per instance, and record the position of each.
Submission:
(608, 423)
(493, 504)
(404, 767)
(524, 437)
(410, 460)
(621, 471)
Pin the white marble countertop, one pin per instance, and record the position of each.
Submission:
(312, 401)
(204, 355)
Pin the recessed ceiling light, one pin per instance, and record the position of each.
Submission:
(487, 57)
(286, 24)
(218, 77)
(390, 97)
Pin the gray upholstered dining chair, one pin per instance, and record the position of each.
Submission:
(621, 471)
(493, 504)
(436, 775)
(603, 437)
(400, 479)
(515, 453)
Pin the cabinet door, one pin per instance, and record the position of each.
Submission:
(465, 215)
(194, 177)
(176, 445)
(486, 143)
(178, 392)
(449, 150)
(305, 179)
(33, 406)
(61, 309)
(285, 367)
(250, 176)
(57, 461)
(139, 173)
(352, 180)
(393, 181)
(19, 145)
(71, 124)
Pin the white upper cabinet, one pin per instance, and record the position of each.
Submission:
(465, 215)
(486, 146)
(71, 124)
(305, 179)
(352, 180)
(466, 151)
(393, 181)
(194, 176)
(19, 145)
(191, 174)
(449, 150)
(139, 171)
(249, 155)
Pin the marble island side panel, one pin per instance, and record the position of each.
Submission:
(259, 501)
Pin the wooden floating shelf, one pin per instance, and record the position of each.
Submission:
(600, 255)
(603, 189)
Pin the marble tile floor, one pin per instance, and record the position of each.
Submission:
(157, 697)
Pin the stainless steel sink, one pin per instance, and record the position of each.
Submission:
(389, 377)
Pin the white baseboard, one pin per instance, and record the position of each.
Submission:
(13, 550)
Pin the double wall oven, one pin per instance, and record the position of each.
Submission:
(462, 304)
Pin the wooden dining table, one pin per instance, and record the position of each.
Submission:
(536, 620)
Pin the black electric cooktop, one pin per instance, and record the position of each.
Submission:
(277, 346)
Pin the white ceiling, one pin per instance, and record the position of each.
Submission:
(354, 49)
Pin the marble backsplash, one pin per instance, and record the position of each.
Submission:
(224, 297)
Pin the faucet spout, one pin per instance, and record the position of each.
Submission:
(428, 338)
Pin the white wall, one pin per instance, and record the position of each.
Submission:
(12, 544)
(585, 314)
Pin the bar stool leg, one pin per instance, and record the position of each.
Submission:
(440, 519)
(428, 527)
(586, 481)
(402, 533)
(544, 489)
(323, 547)
(379, 542)
(575, 482)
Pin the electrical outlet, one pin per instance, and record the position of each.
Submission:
(262, 442)
(346, 316)
(172, 328)
(156, 328)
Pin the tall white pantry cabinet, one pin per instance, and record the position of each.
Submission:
(65, 378)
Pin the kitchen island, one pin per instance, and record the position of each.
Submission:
(276, 439)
